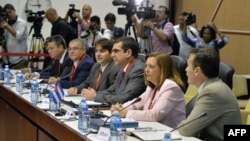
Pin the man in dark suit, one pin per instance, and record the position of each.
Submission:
(103, 73)
(129, 82)
(79, 68)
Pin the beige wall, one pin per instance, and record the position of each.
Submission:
(233, 19)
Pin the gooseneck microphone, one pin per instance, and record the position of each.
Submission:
(200, 116)
(135, 101)
(46, 69)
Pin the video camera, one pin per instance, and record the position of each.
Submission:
(72, 10)
(37, 19)
(3, 15)
(128, 10)
(190, 18)
(145, 12)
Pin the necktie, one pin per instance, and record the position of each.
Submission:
(121, 83)
(98, 79)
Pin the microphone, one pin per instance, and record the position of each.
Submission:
(135, 101)
(200, 116)
(46, 69)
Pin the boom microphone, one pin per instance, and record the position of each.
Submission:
(200, 116)
(46, 69)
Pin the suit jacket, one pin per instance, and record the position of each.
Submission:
(55, 67)
(107, 79)
(218, 101)
(134, 86)
(81, 73)
(168, 105)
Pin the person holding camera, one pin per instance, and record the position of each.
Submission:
(15, 34)
(208, 37)
(93, 33)
(162, 30)
(191, 32)
(84, 21)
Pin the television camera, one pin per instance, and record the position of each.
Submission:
(3, 17)
(72, 10)
(73, 23)
(37, 20)
(144, 11)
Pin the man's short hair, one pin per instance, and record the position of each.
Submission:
(105, 43)
(129, 43)
(110, 17)
(95, 19)
(207, 59)
(9, 6)
(58, 39)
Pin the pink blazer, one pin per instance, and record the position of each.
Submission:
(168, 105)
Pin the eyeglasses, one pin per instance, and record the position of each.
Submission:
(74, 49)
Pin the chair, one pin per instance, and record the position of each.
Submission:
(226, 73)
(180, 65)
(245, 113)
(240, 89)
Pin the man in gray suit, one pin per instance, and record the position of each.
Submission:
(129, 82)
(215, 104)
(103, 73)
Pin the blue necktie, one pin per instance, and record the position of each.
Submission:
(121, 83)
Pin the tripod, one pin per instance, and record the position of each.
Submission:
(36, 46)
(127, 28)
(73, 23)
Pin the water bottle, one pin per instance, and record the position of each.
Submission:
(34, 93)
(6, 80)
(19, 82)
(53, 107)
(167, 137)
(115, 127)
(83, 116)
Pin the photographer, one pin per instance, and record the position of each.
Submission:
(162, 30)
(84, 21)
(16, 34)
(191, 32)
(93, 33)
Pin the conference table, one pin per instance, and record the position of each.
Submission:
(20, 120)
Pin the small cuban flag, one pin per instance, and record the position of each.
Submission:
(58, 93)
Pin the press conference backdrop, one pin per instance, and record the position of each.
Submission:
(99, 7)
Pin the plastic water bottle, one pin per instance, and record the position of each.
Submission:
(6, 80)
(19, 82)
(115, 127)
(34, 93)
(53, 107)
(83, 116)
(167, 137)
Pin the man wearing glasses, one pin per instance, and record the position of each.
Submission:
(78, 69)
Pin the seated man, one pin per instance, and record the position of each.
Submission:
(79, 68)
(57, 50)
(103, 73)
(129, 82)
(214, 99)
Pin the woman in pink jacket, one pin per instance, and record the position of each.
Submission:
(163, 100)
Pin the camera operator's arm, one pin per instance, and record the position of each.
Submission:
(216, 30)
(138, 26)
(66, 17)
(6, 26)
(159, 33)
